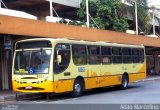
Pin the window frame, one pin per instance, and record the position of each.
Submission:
(142, 55)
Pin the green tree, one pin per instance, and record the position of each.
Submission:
(143, 16)
(105, 13)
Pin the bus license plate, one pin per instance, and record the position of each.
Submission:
(28, 87)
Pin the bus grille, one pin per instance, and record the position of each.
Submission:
(33, 88)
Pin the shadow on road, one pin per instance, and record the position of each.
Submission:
(65, 96)
(108, 90)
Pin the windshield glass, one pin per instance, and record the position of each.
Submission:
(32, 61)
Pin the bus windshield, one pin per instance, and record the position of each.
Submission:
(32, 61)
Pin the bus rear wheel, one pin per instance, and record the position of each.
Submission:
(124, 82)
(77, 88)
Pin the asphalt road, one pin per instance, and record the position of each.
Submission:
(145, 92)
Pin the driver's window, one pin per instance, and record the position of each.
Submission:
(61, 57)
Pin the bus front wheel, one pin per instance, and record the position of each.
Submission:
(77, 88)
(124, 82)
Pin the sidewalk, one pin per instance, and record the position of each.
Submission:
(150, 78)
(10, 95)
(6, 94)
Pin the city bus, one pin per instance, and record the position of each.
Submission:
(59, 65)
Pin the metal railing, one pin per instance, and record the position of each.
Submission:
(1, 2)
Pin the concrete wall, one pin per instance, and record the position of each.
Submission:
(21, 26)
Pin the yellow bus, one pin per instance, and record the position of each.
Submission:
(48, 65)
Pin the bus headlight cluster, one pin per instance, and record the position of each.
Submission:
(35, 82)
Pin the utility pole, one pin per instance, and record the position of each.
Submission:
(136, 17)
(87, 13)
(153, 20)
(51, 10)
(0, 3)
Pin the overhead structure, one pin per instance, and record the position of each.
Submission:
(43, 8)
(27, 27)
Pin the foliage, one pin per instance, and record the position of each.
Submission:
(143, 16)
(105, 13)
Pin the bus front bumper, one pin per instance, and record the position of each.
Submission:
(44, 87)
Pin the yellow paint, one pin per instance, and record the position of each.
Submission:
(102, 81)
(48, 86)
(63, 86)
(67, 85)
(141, 74)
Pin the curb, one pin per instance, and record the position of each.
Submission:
(20, 97)
(151, 79)
(7, 98)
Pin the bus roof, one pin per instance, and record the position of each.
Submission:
(83, 42)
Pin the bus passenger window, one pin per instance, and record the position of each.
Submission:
(106, 55)
(127, 56)
(61, 58)
(136, 55)
(79, 54)
(117, 55)
(94, 55)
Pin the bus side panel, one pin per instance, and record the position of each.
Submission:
(109, 80)
(102, 77)
(93, 79)
(91, 83)
(141, 74)
(63, 85)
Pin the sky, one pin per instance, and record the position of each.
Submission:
(155, 3)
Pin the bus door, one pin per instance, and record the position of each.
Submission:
(60, 64)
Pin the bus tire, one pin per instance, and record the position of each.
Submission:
(77, 88)
(124, 82)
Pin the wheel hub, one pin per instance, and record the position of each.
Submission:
(125, 83)
(77, 88)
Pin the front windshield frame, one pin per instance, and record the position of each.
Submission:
(25, 71)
